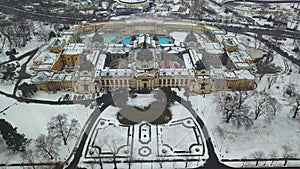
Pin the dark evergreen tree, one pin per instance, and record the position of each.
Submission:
(51, 35)
(27, 89)
(13, 139)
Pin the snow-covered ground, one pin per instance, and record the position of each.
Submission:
(231, 142)
(7, 86)
(145, 141)
(32, 119)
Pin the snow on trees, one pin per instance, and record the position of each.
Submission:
(62, 128)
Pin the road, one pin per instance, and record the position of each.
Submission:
(264, 1)
(37, 16)
(271, 32)
(107, 101)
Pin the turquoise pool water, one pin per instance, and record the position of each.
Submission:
(110, 39)
(126, 41)
(163, 40)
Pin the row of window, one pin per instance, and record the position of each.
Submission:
(168, 82)
(116, 82)
(161, 82)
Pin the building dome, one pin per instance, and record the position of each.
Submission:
(97, 38)
(191, 37)
(144, 55)
(86, 65)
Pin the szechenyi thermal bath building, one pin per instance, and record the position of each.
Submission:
(136, 54)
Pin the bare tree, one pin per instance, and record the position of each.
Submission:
(233, 109)
(47, 146)
(271, 81)
(98, 155)
(258, 155)
(41, 32)
(273, 154)
(62, 128)
(112, 144)
(161, 158)
(264, 105)
(16, 31)
(287, 153)
(6, 30)
(29, 157)
(296, 108)
(242, 118)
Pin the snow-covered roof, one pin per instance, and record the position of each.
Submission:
(195, 56)
(213, 48)
(239, 56)
(173, 72)
(114, 72)
(57, 77)
(176, 8)
(244, 74)
(229, 41)
(217, 73)
(42, 76)
(45, 60)
(93, 57)
(230, 75)
(58, 42)
(187, 61)
(118, 49)
(68, 33)
(74, 49)
(101, 62)
(218, 32)
(240, 74)
(68, 77)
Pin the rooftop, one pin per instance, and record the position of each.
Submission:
(213, 48)
(74, 49)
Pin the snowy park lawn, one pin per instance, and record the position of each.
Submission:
(32, 119)
(267, 136)
(145, 141)
(7, 86)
